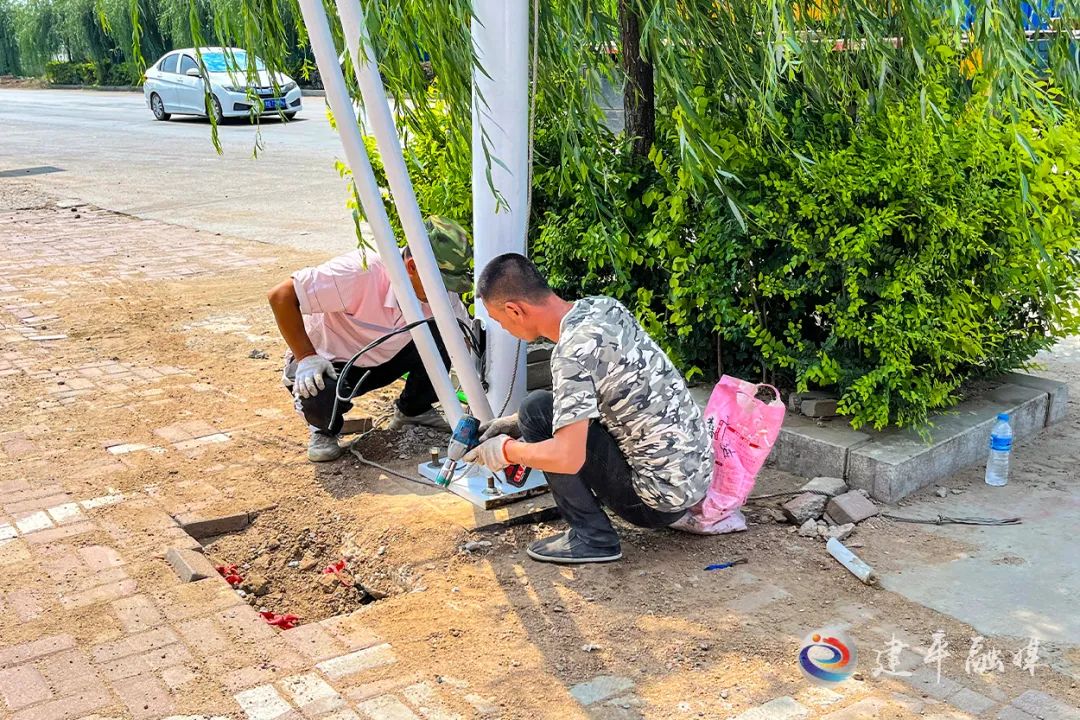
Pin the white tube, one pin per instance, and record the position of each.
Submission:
(851, 561)
(337, 96)
(377, 111)
(500, 34)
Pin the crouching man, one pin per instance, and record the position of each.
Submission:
(619, 430)
(329, 312)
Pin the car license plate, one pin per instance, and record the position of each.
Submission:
(276, 104)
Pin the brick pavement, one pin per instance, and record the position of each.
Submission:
(140, 643)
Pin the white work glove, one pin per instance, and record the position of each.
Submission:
(489, 453)
(507, 425)
(309, 376)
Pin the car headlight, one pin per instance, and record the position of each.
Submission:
(236, 89)
(288, 87)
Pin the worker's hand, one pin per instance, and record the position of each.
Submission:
(309, 376)
(489, 453)
(507, 425)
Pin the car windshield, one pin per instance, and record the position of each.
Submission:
(233, 62)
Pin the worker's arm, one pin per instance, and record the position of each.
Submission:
(564, 453)
(290, 320)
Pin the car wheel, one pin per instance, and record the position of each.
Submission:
(158, 107)
(290, 115)
(219, 116)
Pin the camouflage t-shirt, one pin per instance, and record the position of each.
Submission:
(606, 367)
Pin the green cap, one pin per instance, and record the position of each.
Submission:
(453, 252)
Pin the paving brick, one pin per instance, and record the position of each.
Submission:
(25, 605)
(100, 557)
(358, 661)
(807, 506)
(312, 694)
(36, 503)
(350, 630)
(189, 565)
(17, 654)
(31, 522)
(43, 537)
(66, 513)
(201, 527)
(21, 686)
(245, 624)
(7, 532)
(600, 688)
(1012, 713)
(67, 708)
(1045, 706)
(143, 642)
(925, 680)
(206, 636)
(178, 676)
(69, 672)
(386, 707)
(137, 613)
(426, 699)
(851, 507)
(145, 696)
(263, 703)
(971, 702)
(830, 486)
(314, 641)
(781, 708)
(99, 594)
(157, 659)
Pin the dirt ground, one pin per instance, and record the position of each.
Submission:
(695, 643)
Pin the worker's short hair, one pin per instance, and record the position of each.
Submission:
(512, 277)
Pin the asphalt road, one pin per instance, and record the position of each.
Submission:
(111, 152)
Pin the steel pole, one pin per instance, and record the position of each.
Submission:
(337, 97)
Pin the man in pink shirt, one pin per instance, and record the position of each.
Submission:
(329, 312)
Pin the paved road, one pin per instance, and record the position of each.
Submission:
(111, 152)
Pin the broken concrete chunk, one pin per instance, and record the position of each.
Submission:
(941, 492)
(808, 528)
(189, 565)
(851, 507)
(840, 532)
(256, 584)
(807, 506)
(818, 407)
(830, 486)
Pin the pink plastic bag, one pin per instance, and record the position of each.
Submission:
(744, 430)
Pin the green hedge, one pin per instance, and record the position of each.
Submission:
(102, 73)
(892, 262)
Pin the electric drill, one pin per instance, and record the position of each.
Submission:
(465, 437)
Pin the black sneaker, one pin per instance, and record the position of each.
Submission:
(566, 549)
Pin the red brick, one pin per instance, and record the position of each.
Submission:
(206, 637)
(145, 696)
(47, 536)
(21, 686)
(245, 624)
(314, 642)
(69, 673)
(99, 557)
(31, 492)
(66, 708)
(17, 654)
(132, 644)
(137, 613)
(99, 594)
(37, 503)
(158, 659)
(24, 604)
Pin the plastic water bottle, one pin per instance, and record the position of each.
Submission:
(997, 465)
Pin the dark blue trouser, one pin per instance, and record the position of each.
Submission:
(603, 481)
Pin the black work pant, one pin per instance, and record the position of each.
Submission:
(416, 398)
(604, 479)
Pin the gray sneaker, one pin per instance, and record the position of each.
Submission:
(323, 448)
(567, 549)
(432, 419)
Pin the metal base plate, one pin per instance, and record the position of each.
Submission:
(473, 485)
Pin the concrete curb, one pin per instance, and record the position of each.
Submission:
(894, 463)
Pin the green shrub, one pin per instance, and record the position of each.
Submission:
(891, 258)
(69, 73)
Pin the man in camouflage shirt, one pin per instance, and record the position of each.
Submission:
(619, 430)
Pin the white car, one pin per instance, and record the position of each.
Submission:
(175, 86)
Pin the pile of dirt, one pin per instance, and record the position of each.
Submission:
(314, 571)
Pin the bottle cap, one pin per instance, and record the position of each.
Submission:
(1003, 416)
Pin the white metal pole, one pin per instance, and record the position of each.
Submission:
(500, 34)
(377, 111)
(337, 96)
